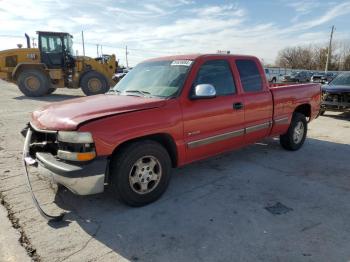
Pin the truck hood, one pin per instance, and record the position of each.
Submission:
(67, 115)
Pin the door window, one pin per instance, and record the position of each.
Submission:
(249, 74)
(218, 74)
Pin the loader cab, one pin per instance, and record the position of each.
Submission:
(56, 49)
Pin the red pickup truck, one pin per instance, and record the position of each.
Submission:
(166, 112)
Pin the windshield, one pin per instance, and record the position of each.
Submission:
(158, 78)
(343, 79)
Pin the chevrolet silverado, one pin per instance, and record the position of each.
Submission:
(166, 112)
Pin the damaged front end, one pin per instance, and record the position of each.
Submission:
(68, 158)
(336, 101)
(28, 160)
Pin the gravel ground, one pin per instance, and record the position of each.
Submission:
(214, 210)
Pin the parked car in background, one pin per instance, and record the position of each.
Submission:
(297, 77)
(120, 74)
(322, 77)
(329, 76)
(318, 77)
(272, 75)
(336, 94)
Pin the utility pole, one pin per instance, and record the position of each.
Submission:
(97, 50)
(33, 43)
(329, 50)
(82, 38)
(126, 56)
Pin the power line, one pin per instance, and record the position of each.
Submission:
(106, 45)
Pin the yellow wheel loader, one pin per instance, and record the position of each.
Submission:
(40, 71)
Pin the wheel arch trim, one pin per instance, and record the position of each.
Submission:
(22, 66)
(164, 139)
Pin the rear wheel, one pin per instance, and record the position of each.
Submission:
(296, 134)
(140, 173)
(33, 83)
(94, 83)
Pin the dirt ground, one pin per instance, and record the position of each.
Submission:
(214, 210)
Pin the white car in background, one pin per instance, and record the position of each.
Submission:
(273, 74)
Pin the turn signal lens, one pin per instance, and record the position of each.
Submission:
(86, 156)
(72, 156)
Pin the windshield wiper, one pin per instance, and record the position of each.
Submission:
(143, 93)
(113, 91)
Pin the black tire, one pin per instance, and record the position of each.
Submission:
(322, 111)
(288, 140)
(94, 83)
(33, 83)
(123, 170)
(51, 90)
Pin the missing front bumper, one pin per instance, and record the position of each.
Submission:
(82, 179)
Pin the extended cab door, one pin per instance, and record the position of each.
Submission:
(258, 102)
(213, 125)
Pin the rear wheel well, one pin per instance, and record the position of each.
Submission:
(304, 109)
(164, 139)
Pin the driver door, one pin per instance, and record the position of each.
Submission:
(213, 125)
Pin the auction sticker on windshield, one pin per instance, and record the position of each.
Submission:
(181, 63)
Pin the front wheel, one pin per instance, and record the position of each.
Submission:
(140, 172)
(294, 138)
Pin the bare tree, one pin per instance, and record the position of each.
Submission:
(314, 57)
(295, 57)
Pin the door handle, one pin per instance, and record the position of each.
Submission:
(238, 105)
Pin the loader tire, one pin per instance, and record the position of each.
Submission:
(94, 83)
(33, 83)
(51, 90)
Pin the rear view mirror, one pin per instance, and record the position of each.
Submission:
(203, 91)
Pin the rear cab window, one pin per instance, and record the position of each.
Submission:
(217, 73)
(250, 76)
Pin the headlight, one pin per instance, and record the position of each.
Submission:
(75, 146)
(75, 137)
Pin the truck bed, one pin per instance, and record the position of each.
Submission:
(287, 97)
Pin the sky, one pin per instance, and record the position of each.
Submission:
(153, 28)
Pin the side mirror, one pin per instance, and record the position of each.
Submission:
(203, 91)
